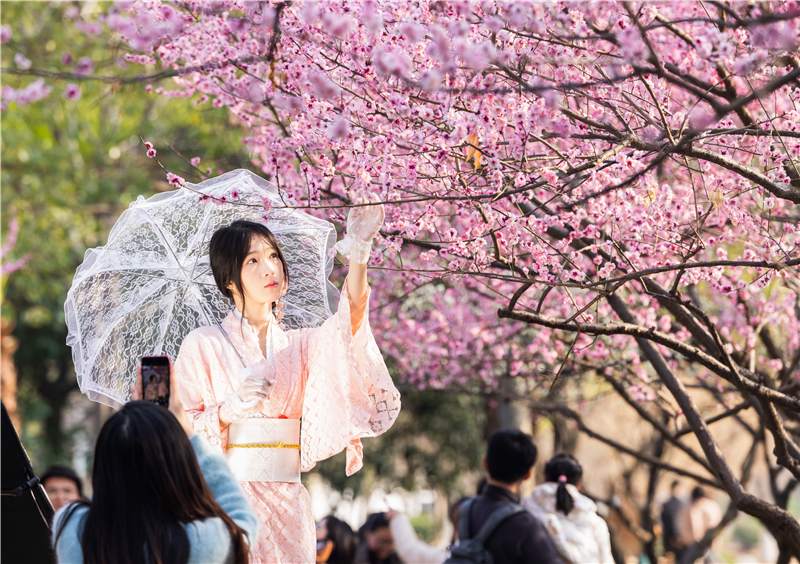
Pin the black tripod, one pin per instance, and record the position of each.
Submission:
(26, 510)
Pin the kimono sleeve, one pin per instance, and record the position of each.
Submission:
(348, 393)
(193, 376)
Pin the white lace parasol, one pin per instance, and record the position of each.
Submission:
(144, 291)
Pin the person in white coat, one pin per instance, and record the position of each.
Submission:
(410, 548)
(580, 535)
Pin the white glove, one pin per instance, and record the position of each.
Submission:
(256, 387)
(363, 223)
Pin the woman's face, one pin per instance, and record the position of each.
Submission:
(322, 530)
(262, 273)
(324, 546)
(61, 491)
(380, 542)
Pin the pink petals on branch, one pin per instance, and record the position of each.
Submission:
(22, 61)
(382, 97)
(323, 86)
(339, 128)
(174, 179)
(72, 92)
(33, 92)
(85, 66)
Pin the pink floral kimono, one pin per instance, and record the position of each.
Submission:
(335, 381)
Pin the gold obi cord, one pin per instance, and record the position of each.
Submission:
(264, 450)
(265, 445)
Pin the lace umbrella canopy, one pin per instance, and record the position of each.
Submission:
(145, 290)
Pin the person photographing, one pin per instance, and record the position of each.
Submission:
(161, 495)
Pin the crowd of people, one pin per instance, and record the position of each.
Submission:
(161, 493)
(160, 487)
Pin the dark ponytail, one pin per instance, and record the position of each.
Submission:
(563, 469)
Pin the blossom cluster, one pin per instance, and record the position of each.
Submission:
(565, 145)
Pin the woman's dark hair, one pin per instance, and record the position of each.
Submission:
(698, 493)
(509, 456)
(345, 541)
(63, 472)
(567, 466)
(147, 485)
(229, 248)
(374, 522)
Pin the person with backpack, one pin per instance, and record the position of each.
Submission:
(493, 528)
(579, 533)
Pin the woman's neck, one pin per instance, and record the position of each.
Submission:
(257, 315)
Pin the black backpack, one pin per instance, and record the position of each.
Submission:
(473, 550)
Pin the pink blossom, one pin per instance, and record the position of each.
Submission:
(430, 80)
(176, 180)
(195, 161)
(89, 28)
(85, 66)
(8, 246)
(389, 103)
(151, 153)
(66, 58)
(323, 86)
(372, 18)
(72, 92)
(339, 128)
(33, 92)
(21, 61)
(631, 45)
(391, 62)
(751, 63)
(412, 32)
(5, 34)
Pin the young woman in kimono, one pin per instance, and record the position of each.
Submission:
(332, 376)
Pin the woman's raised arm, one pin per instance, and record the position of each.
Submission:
(363, 223)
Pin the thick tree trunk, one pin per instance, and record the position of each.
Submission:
(512, 414)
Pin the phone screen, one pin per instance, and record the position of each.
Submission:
(155, 379)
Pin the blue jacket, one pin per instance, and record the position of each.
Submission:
(209, 539)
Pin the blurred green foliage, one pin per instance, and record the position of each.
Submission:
(747, 532)
(426, 526)
(69, 169)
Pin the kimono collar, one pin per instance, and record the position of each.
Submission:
(251, 336)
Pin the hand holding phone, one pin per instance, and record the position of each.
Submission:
(156, 379)
(173, 403)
